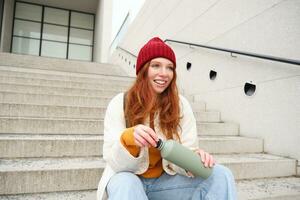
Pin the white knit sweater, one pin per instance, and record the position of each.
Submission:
(119, 159)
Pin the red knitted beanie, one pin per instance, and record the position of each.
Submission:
(154, 48)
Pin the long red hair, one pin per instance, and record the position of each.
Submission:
(142, 101)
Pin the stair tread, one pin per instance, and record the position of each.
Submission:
(55, 87)
(268, 188)
(62, 106)
(37, 164)
(218, 123)
(250, 157)
(254, 189)
(25, 164)
(47, 82)
(49, 119)
(82, 78)
(226, 138)
(61, 83)
(60, 75)
(50, 137)
(72, 195)
(56, 95)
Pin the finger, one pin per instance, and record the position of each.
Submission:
(151, 132)
(207, 159)
(140, 140)
(211, 163)
(145, 132)
(138, 143)
(139, 135)
(201, 152)
(148, 138)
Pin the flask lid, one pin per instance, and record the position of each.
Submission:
(159, 144)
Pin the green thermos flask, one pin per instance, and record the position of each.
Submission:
(183, 157)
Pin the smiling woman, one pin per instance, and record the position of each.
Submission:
(134, 122)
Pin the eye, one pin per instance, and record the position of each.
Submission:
(155, 65)
(171, 68)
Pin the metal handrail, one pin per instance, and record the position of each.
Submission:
(118, 47)
(266, 57)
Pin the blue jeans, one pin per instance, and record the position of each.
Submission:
(128, 186)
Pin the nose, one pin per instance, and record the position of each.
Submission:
(163, 71)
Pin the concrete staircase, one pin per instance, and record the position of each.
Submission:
(51, 130)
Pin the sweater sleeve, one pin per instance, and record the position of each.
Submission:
(189, 135)
(127, 141)
(114, 153)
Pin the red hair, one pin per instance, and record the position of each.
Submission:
(141, 101)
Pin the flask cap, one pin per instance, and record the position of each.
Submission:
(159, 144)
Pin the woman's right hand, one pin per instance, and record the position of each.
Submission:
(144, 136)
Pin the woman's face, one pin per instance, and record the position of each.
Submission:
(160, 74)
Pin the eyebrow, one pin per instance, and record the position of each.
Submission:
(157, 62)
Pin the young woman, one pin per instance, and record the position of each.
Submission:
(153, 109)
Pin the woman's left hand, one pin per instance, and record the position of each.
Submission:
(206, 158)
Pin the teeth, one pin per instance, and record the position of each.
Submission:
(160, 82)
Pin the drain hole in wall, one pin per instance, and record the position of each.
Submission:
(188, 66)
(249, 89)
(212, 75)
(133, 66)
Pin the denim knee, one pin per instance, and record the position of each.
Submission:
(126, 186)
(221, 172)
(126, 180)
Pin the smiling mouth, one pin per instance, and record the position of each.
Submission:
(160, 82)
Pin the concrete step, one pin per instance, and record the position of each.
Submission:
(190, 98)
(72, 195)
(112, 85)
(226, 128)
(35, 146)
(65, 174)
(250, 166)
(230, 144)
(35, 89)
(198, 106)
(255, 189)
(50, 111)
(269, 189)
(60, 76)
(50, 126)
(75, 126)
(63, 65)
(57, 100)
(49, 174)
(195, 103)
(22, 146)
(207, 116)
